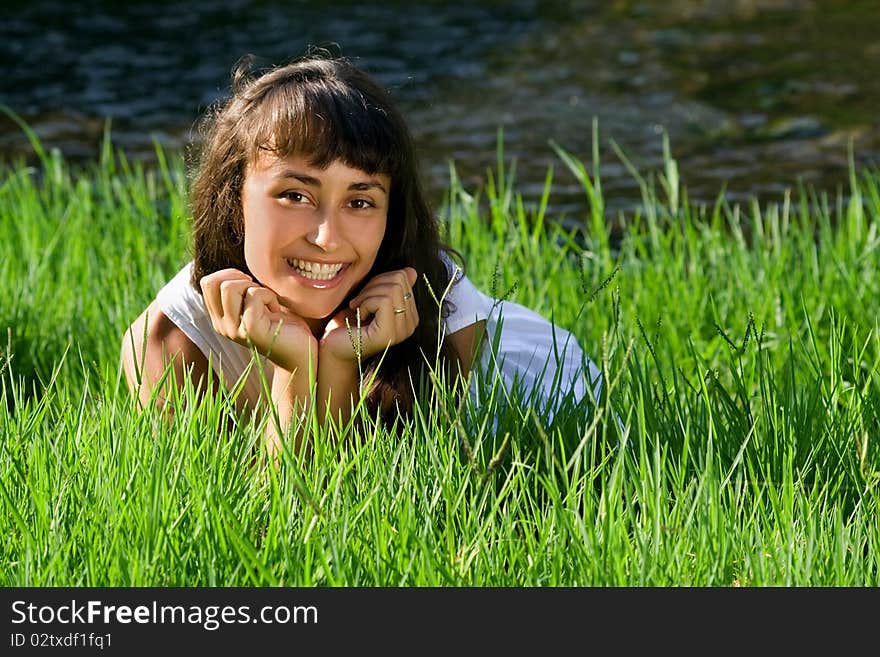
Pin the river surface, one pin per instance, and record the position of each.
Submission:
(756, 96)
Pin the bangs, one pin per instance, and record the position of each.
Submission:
(323, 121)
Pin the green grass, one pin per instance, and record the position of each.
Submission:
(741, 350)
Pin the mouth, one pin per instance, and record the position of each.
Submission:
(318, 274)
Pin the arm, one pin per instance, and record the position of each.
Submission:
(381, 315)
(251, 315)
(149, 345)
(338, 387)
(466, 343)
(291, 396)
(338, 374)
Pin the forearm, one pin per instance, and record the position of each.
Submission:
(291, 400)
(338, 389)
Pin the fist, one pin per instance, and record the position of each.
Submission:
(383, 314)
(251, 315)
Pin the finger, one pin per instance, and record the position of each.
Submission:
(340, 319)
(211, 295)
(210, 286)
(388, 289)
(408, 319)
(376, 313)
(397, 284)
(232, 295)
(398, 313)
(411, 276)
(254, 322)
(394, 320)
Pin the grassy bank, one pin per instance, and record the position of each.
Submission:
(740, 346)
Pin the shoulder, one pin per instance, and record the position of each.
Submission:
(155, 329)
(150, 345)
(179, 291)
(466, 342)
(467, 305)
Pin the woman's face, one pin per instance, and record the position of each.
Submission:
(311, 235)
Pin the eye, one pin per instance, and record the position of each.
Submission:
(362, 203)
(294, 197)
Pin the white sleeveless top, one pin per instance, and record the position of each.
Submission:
(532, 353)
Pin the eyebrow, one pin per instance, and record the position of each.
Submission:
(360, 186)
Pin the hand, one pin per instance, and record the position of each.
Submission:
(250, 314)
(388, 316)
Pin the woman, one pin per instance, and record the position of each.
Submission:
(315, 248)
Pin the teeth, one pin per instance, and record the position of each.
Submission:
(315, 270)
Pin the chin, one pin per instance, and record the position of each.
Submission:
(311, 311)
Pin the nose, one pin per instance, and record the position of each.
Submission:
(325, 233)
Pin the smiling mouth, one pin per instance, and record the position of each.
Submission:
(316, 271)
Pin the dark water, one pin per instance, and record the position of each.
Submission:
(755, 95)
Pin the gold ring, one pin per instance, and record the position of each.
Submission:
(397, 311)
(407, 296)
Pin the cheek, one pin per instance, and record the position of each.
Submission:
(258, 241)
(367, 240)
(379, 236)
(260, 234)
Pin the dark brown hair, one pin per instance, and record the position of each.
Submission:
(326, 109)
